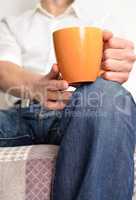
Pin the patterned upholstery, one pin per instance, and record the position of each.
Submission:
(26, 173)
(38, 172)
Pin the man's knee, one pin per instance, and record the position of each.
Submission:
(108, 106)
(104, 96)
(104, 109)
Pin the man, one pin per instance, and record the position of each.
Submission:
(94, 126)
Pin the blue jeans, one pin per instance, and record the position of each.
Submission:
(96, 134)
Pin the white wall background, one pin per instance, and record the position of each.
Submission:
(15, 7)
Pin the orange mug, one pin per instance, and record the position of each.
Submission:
(79, 53)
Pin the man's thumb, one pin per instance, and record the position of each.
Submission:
(53, 74)
(107, 35)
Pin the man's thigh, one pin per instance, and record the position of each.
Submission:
(13, 130)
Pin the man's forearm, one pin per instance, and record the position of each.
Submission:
(16, 80)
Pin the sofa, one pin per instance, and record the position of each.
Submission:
(27, 173)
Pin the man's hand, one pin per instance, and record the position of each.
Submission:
(118, 58)
(50, 91)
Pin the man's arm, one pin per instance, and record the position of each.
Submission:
(20, 82)
(16, 79)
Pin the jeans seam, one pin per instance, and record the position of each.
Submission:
(15, 138)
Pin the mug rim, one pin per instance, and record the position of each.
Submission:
(77, 27)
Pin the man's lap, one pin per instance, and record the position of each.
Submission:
(35, 126)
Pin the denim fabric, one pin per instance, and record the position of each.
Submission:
(95, 160)
(29, 126)
(96, 133)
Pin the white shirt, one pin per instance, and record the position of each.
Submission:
(26, 40)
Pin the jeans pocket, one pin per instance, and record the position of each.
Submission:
(12, 141)
(14, 134)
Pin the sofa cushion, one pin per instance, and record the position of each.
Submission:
(26, 172)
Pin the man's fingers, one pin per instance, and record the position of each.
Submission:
(56, 85)
(107, 35)
(119, 77)
(54, 73)
(58, 96)
(119, 54)
(118, 43)
(116, 65)
(54, 105)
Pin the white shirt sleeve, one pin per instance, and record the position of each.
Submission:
(9, 48)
